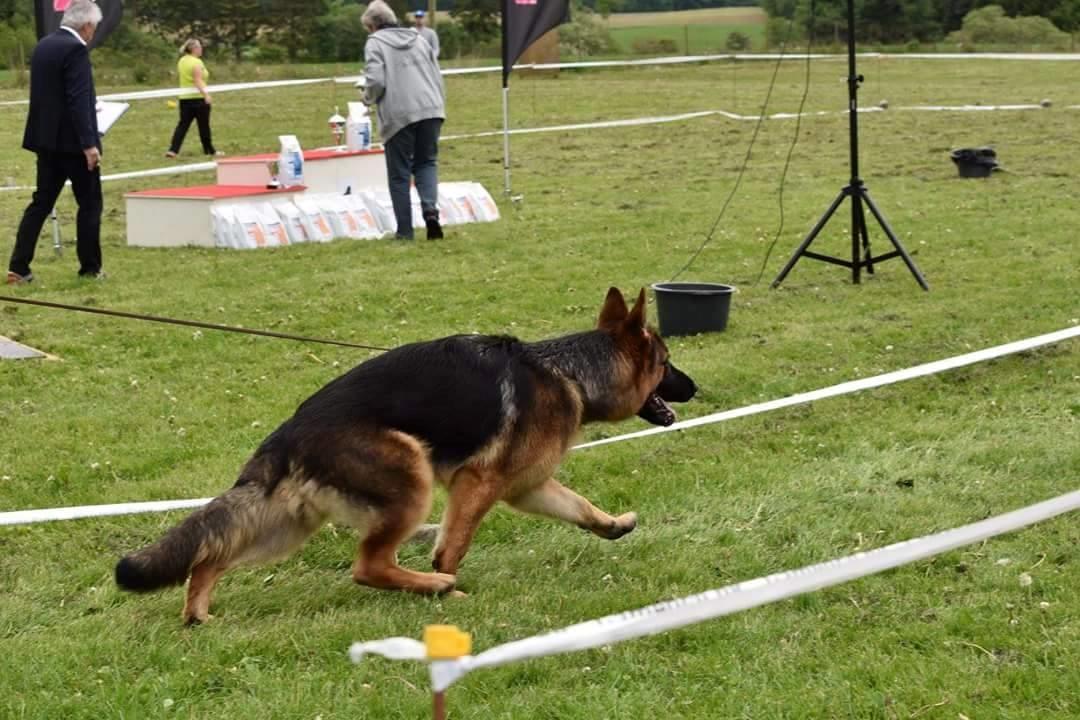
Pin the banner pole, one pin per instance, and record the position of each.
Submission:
(506, 138)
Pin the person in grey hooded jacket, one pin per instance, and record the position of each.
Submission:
(403, 79)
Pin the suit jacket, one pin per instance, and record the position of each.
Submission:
(62, 115)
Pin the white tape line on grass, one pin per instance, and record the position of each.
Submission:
(630, 122)
(176, 91)
(677, 60)
(71, 513)
(658, 618)
(167, 170)
(23, 517)
(911, 373)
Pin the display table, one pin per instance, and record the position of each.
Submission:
(173, 217)
(329, 171)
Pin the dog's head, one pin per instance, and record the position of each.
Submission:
(647, 378)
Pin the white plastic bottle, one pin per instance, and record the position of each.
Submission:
(358, 127)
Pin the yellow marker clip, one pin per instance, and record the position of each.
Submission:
(446, 642)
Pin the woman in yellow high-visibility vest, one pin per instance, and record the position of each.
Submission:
(194, 99)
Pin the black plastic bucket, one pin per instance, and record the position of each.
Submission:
(975, 162)
(687, 308)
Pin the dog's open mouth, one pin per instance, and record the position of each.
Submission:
(656, 411)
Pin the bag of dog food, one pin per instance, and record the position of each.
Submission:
(222, 219)
(316, 226)
(291, 219)
(248, 231)
(276, 234)
(483, 204)
(369, 229)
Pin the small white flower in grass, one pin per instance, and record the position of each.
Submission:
(1003, 561)
(888, 348)
(167, 703)
(607, 578)
(181, 432)
(1044, 605)
(256, 424)
(197, 335)
(95, 466)
(6, 477)
(1025, 580)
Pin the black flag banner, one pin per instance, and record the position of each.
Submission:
(47, 14)
(523, 22)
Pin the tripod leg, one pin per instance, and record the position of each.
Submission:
(856, 266)
(868, 259)
(896, 243)
(810, 238)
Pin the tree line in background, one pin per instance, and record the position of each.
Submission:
(903, 21)
(272, 31)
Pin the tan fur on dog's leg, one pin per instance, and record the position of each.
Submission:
(404, 466)
(554, 500)
(201, 584)
(377, 567)
(472, 494)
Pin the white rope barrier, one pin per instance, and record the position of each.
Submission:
(693, 609)
(21, 517)
(586, 64)
(630, 122)
(852, 386)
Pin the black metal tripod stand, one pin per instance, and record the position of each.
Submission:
(855, 190)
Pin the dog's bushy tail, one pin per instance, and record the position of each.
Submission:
(217, 533)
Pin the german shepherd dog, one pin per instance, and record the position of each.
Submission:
(489, 418)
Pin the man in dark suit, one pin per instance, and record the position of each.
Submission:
(62, 129)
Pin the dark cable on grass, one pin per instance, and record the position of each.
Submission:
(746, 158)
(188, 323)
(794, 142)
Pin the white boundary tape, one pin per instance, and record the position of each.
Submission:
(630, 122)
(852, 386)
(676, 60)
(21, 517)
(664, 616)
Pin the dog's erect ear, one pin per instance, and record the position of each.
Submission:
(636, 319)
(614, 311)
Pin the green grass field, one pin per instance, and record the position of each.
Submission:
(691, 31)
(135, 411)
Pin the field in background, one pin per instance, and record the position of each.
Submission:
(707, 16)
(139, 412)
(687, 31)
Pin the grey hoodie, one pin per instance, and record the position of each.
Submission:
(403, 79)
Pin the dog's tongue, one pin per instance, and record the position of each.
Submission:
(656, 411)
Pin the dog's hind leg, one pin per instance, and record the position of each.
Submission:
(472, 494)
(197, 603)
(406, 475)
(554, 500)
(261, 529)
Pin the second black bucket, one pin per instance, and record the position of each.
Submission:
(688, 308)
